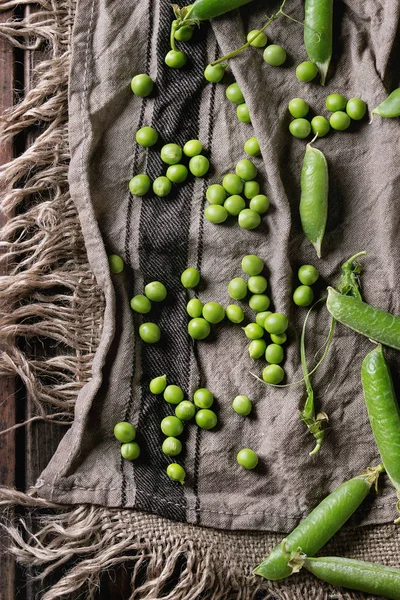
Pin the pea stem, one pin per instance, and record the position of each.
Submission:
(174, 27)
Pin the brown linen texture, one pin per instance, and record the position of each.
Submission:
(158, 238)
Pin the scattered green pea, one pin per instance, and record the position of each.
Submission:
(278, 338)
(274, 55)
(203, 398)
(176, 59)
(257, 284)
(257, 348)
(253, 331)
(216, 213)
(247, 458)
(246, 170)
(171, 154)
(206, 419)
(234, 204)
(190, 278)
(306, 71)
(184, 33)
(300, 128)
(139, 185)
(171, 426)
(252, 264)
(335, 102)
(251, 189)
(141, 304)
(242, 405)
(234, 313)
(213, 312)
(273, 374)
(156, 291)
(276, 323)
(176, 473)
(171, 446)
(232, 184)
(234, 94)
(124, 432)
(339, 120)
(158, 384)
(260, 204)
(130, 451)
(199, 165)
(259, 302)
(274, 354)
(199, 329)
(298, 108)
(237, 288)
(243, 113)
(150, 333)
(320, 125)
(162, 186)
(216, 194)
(261, 316)
(192, 148)
(303, 295)
(194, 308)
(146, 137)
(249, 219)
(177, 173)
(173, 394)
(252, 147)
(185, 410)
(260, 41)
(142, 85)
(214, 74)
(308, 274)
(356, 109)
(116, 263)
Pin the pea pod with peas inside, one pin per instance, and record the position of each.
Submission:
(318, 33)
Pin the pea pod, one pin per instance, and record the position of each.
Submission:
(390, 107)
(318, 33)
(314, 196)
(320, 525)
(383, 411)
(372, 322)
(202, 10)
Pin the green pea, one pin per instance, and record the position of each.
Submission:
(234, 313)
(216, 213)
(303, 295)
(252, 147)
(274, 354)
(173, 394)
(257, 284)
(214, 74)
(158, 384)
(242, 405)
(116, 263)
(156, 291)
(298, 108)
(232, 184)
(273, 374)
(234, 94)
(308, 274)
(243, 114)
(171, 446)
(274, 55)
(237, 288)
(130, 451)
(124, 432)
(171, 154)
(335, 102)
(300, 128)
(246, 170)
(184, 33)
(171, 426)
(320, 125)
(146, 137)
(176, 59)
(203, 398)
(206, 419)
(216, 194)
(253, 331)
(340, 120)
(276, 323)
(306, 71)
(185, 410)
(139, 185)
(142, 85)
(194, 308)
(259, 41)
(252, 264)
(259, 302)
(141, 304)
(261, 316)
(356, 109)
(260, 204)
(193, 148)
(251, 189)
(213, 312)
(249, 219)
(176, 473)
(247, 458)
(150, 333)
(257, 348)
(190, 278)
(177, 173)
(278, 338)
(234, 204)
(199, 329)
(199, 165)
(162, 186)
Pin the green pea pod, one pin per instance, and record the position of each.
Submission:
(202, 10)
(383, 411)
(320, 525)
(318, 33)
(314, 196)
(356, 575)
(372, 322)
(390, 107)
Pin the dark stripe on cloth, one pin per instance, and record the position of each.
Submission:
(163, 247)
